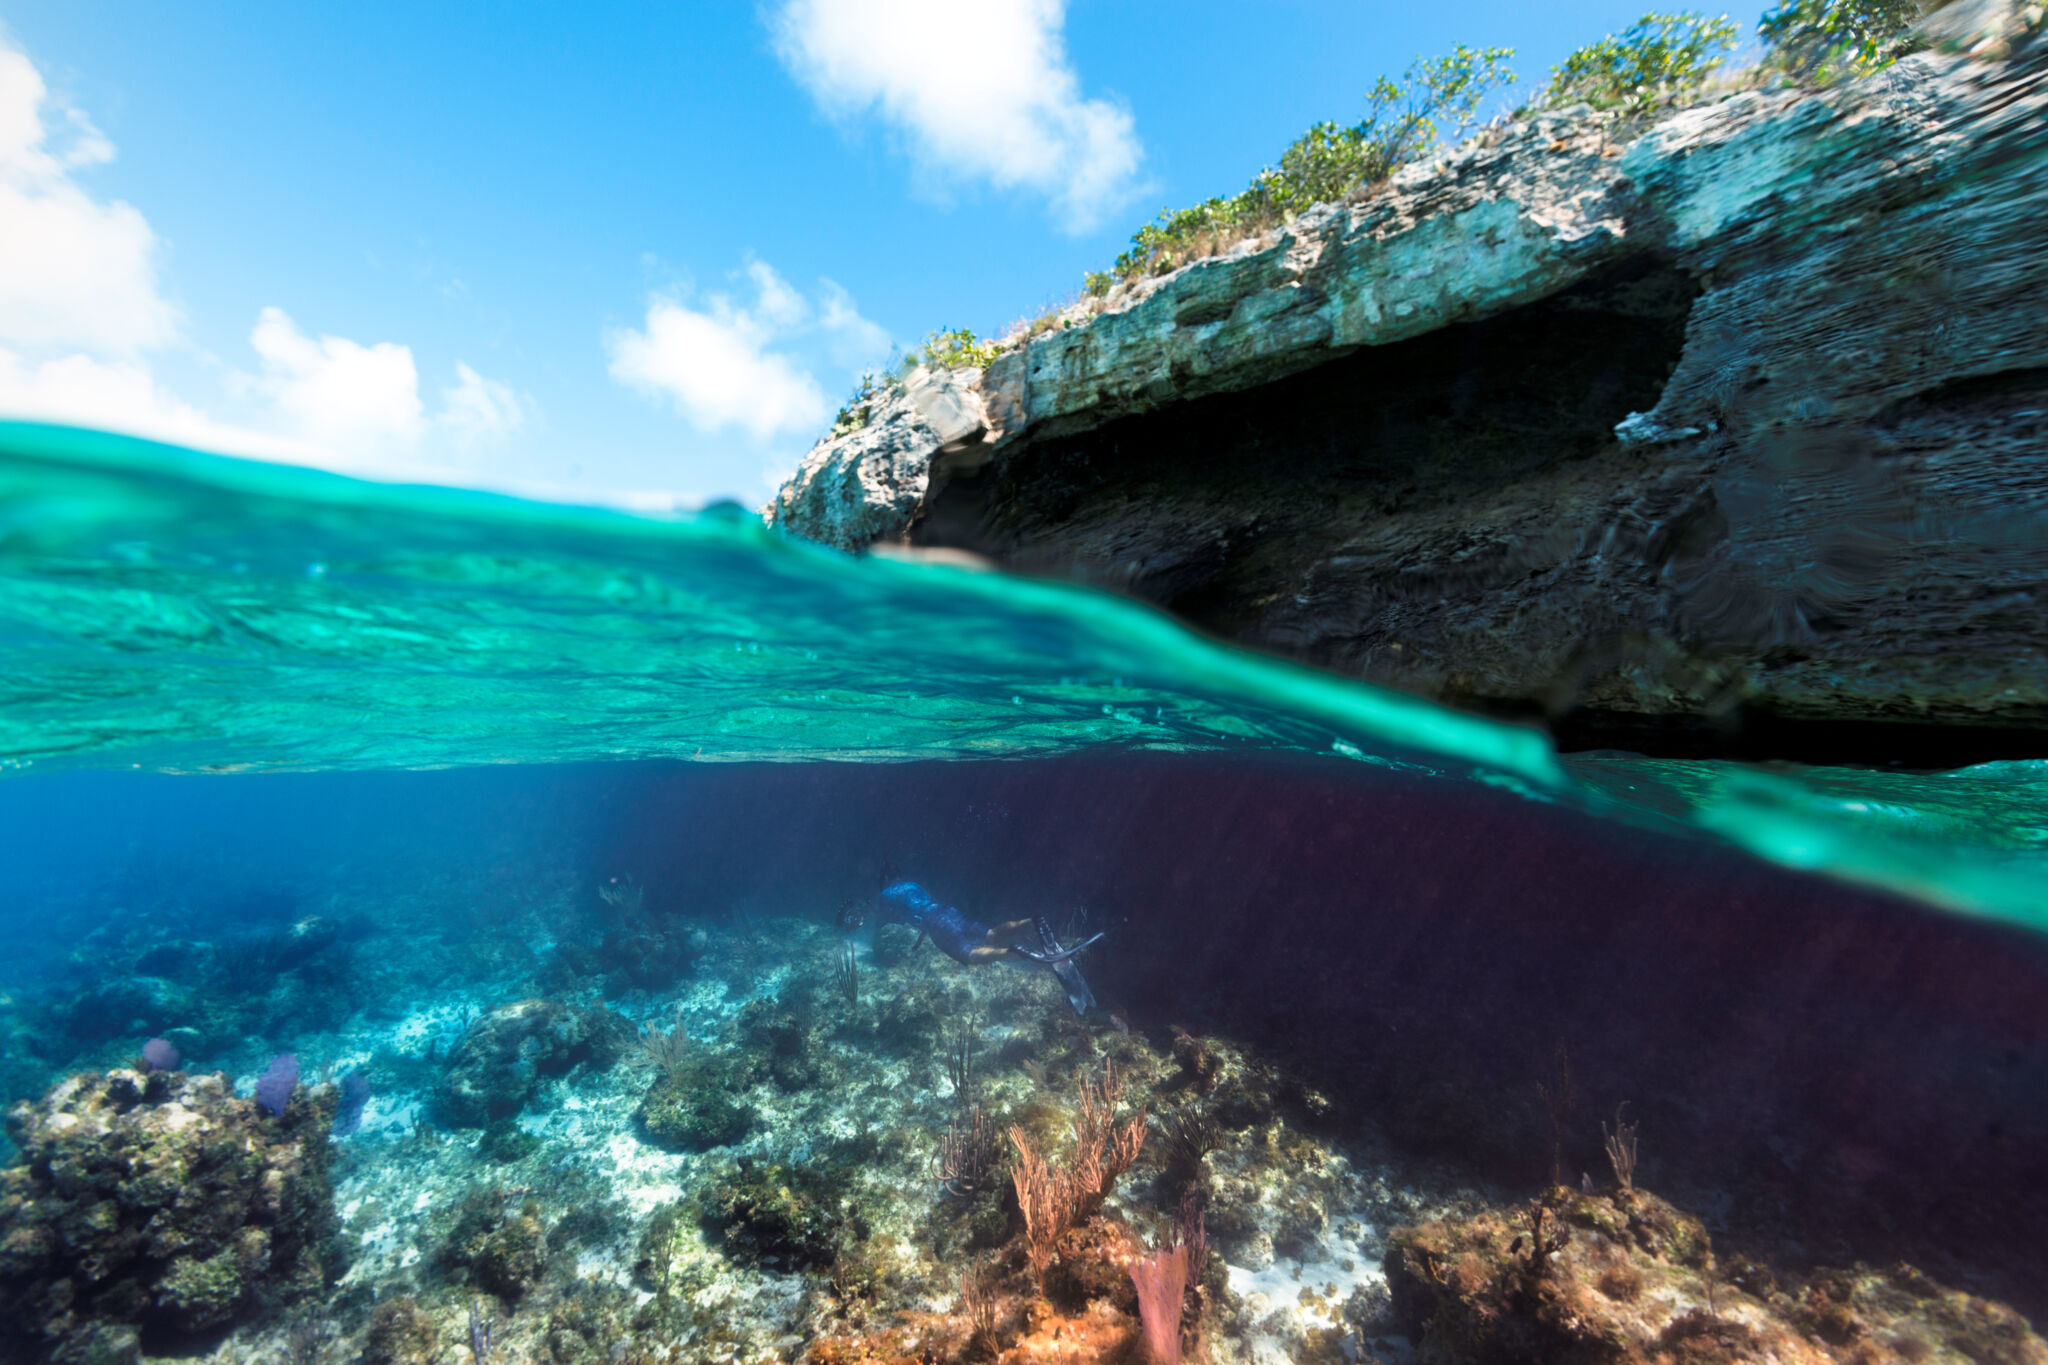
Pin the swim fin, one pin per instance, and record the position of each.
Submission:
(1060, 962)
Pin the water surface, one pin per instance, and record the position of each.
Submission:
(171, 611)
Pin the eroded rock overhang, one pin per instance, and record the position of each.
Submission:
(1830, 504)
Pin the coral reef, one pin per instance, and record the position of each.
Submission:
(776, 1215)
(157, 1204)
(499, 1244)
(939, 1164)
(503, 1057)
(690, 1112)
(1576, 1276)
(400, 1334)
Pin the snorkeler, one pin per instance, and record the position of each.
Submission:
(970, 941)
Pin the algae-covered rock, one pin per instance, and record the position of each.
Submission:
(1625, 1277)
(777, 1043)
(100, 1343)
(400, 1334)
(587, 1325)
(509, 1259)
(644, 956)
(691, 1112)
(774, 1215)
(204, 1292)
(495, 1247)
(505, 1142)
(129, 1005)
(1092, 1264)
(501, 1060)
(160, 1202)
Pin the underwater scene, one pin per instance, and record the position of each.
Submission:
(1440, 759)
(449, 928)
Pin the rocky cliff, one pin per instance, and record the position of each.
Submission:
(1728, 433)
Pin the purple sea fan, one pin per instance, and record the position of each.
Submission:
(274, 1087)
(355, 1093)
(160, 1054)
(1161, 1279)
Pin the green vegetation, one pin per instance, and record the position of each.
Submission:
(953, 349)
(1435, 102)
(1660, 61)
(1826, 39)
(859, 410)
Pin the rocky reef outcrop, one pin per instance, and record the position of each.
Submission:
(1623, 1276)
(157, 1204)
(1732, 425)
(500, 1061)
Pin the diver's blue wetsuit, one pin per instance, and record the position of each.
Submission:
(971, 941)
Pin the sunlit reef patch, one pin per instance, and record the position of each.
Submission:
(764, 1146)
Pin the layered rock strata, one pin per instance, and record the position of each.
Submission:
(1738, 420)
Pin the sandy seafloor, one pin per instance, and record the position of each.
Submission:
(1297, 1219)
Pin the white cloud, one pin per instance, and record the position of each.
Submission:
(123, 395)
(479, 409)
(73, 271)
(715, 368)
(353, 397)
(982, 91)
(80, 308)
(727, 365)
(362, 402)
(776, 304)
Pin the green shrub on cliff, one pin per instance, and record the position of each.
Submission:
(859, 409)
(1659, 61)
(1822, 39)
(953, 349)
(1436, 101)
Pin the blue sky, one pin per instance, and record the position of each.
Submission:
(626, 252)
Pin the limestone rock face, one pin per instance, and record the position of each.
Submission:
(853, 490)
(157, 1202)
(1741, 418)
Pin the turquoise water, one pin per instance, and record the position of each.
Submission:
(547, 848)
(172, 611)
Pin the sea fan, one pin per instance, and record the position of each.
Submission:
(1161, 1280)
(669, 1052)
(274, 1087)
